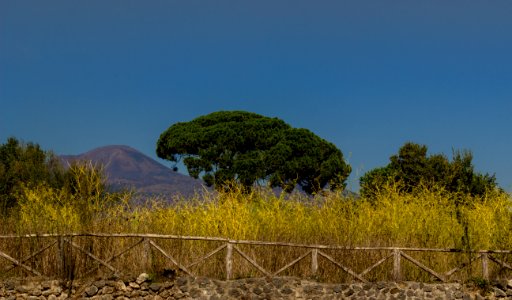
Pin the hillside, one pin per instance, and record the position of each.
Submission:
(126, 167)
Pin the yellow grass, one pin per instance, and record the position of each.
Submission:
(428, 219)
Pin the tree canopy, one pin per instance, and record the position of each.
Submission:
(412, 168)
(25, 164)
(244, 147)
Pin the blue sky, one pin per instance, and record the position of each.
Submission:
(367, 75)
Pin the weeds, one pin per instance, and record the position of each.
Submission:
(427, 219)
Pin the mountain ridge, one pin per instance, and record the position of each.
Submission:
(126, 167)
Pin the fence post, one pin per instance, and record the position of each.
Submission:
(396, 265)
(314, 261)
(146, 256)
(485, 266)
(229, 260)
(61, 257)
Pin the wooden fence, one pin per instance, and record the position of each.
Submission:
(229, 248)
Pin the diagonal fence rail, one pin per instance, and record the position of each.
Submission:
(87, 254)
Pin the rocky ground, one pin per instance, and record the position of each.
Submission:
(145, 287)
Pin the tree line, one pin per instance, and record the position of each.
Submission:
(244, 148)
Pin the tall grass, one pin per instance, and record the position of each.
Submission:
(430, 218)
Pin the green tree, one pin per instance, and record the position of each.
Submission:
(25, 164)
(412, 168)
(244, 147)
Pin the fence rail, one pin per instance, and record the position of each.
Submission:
(65, 243)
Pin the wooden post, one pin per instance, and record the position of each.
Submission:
(396, 265)
(61, 257)
(314, 261)
(229, 261)
(485, 266)
(146, 256)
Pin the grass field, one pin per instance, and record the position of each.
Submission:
(428, 219)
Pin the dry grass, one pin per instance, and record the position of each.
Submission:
(429, 219)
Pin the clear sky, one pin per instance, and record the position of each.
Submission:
(367, 75)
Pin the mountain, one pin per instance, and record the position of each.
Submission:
(126, 167)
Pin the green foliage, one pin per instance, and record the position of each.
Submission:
(28, 165)
(482, 284)
(28, 173)
(411, 168)
(244, 147)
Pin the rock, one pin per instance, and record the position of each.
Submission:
(278, 282)
(24, 289)
(252, 288)
(184, 288)
(195, 293)
(501, 284)
(54, 290)
(165, 294)
(458, 295)
(155, 287)
(102, 297)
(381, 285)
(313, 289)
(235, 293)
(267, 289)
(219, 290)
(479, 297)
(142, 278)
(120, 286)
(257, 291)
(338, 288)
(287, 291)
(134, 285)
(46, 285)
(91, 290)
(499, 293)
(107, 290)
(35, 292)
(182, 281)
(100, 284)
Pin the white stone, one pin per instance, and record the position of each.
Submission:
(142, 278)
(134, 285)
(120, 286)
